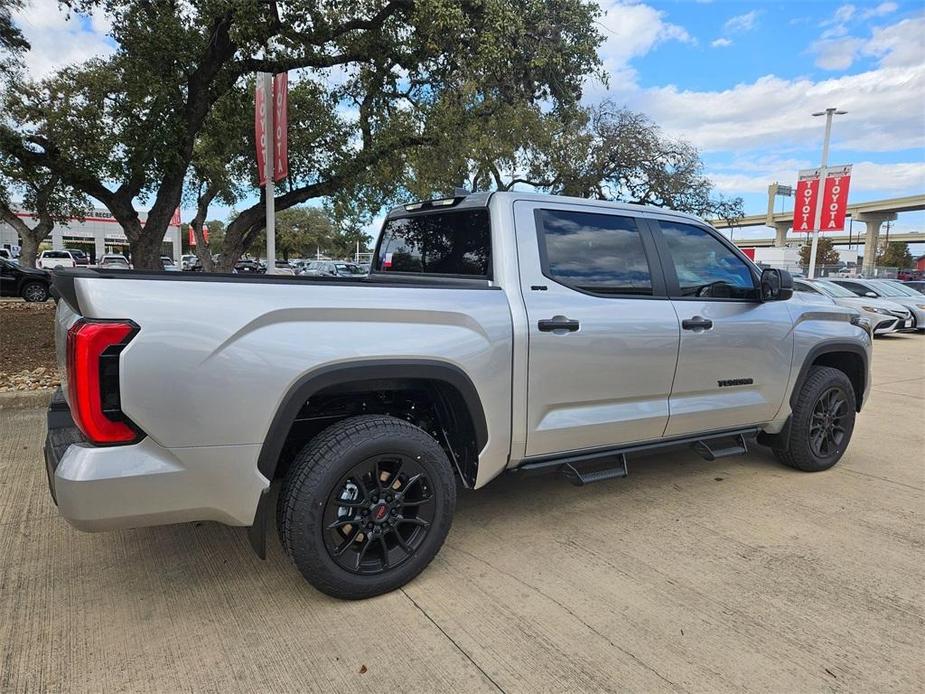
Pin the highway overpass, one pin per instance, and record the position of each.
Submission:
(872, 214)
(837, 239)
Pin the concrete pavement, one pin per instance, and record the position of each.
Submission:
(738, 575)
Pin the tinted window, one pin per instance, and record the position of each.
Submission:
(858, 289)
(449, 243)
(800, 287)
(598, 253)
(55, 254)
(706, 267)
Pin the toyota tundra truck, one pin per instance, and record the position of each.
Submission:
(496, 333)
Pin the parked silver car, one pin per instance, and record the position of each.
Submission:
(503, 332)
(884, 316)
(884, 289)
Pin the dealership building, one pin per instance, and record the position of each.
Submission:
(97, 234)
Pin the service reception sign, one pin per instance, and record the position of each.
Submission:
(834, 199)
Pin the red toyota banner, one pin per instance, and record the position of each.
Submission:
(278, 139)
(175, 220)
(804, 208)
(280, 114)
(192, 235)
(835, 198)
(260, 129)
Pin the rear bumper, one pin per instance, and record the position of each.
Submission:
(146, 484)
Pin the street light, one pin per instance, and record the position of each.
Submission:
(829, 113)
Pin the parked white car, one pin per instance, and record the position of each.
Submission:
(885, 316)
(885, 289)
(114, 261)
(49, 260)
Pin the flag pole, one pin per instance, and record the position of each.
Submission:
(270, 171)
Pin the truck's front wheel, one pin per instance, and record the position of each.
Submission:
(822, 421)
(366, 506)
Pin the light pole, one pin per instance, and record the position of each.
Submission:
(829, 113)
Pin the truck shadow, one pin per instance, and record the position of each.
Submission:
(206, 555)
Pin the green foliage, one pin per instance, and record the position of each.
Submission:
(301, 232)
(895, 254)
(825, 251)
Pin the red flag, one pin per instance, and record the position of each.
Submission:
(804, 210)
(192, 236)
(280, 117)
(175, 220)
(260, 129)
(835, 199)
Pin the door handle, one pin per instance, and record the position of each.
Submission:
(556, 323)
(697, 323)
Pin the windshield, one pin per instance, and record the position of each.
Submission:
(55, 254)
(835, 290)
(908, 291)
(886, 289)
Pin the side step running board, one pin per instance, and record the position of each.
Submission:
(580, 478)
(739, 447)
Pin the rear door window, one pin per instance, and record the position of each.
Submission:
(595, 253)
(444, 243)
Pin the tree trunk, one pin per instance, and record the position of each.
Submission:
(146, 252)
(30, 249)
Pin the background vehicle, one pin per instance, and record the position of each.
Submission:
(333, 268)
(885, 316)
(5, 254)
(190, 263)
(284, 268)
(114, 261)
(504, 331)
(80, 258)
(49, 260)
(168, 264)
(248, 266)
(884, 289)
(917, 285)
(16, 280)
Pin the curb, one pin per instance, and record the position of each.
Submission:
(26, 399)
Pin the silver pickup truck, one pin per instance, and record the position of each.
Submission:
(503, 332)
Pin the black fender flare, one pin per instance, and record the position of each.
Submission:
(830, 347)
(365, 370)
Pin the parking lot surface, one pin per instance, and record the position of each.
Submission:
(687, 576)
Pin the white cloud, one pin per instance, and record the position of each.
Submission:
(836, 54)
(60, 38)
(896, 45)
(884, 8)
(775, 113)
(630, 31)
(866, 177)
(742, 22)
(721, 42)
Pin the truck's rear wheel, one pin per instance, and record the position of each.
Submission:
(366, 506)
(822, 421)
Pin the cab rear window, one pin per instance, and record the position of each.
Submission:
(443, 243)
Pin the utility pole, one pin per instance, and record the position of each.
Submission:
(829, 113)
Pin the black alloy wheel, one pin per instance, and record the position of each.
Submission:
(378, 515)
(827, 429)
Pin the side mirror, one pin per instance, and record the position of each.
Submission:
(776, 284)
(870, 294)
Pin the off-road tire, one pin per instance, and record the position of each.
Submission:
(799, 453)
(321, 465)
(31, 292)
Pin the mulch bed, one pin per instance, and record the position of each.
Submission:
(27, 346)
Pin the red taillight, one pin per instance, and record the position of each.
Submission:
(93, 387)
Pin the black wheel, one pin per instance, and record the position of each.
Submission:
(35, 291)
(366, 506)
(822, 421)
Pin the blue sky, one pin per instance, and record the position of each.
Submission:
(738, 79)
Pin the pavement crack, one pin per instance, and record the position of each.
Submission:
(574, 615)
(883, 479)
(453, 641)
